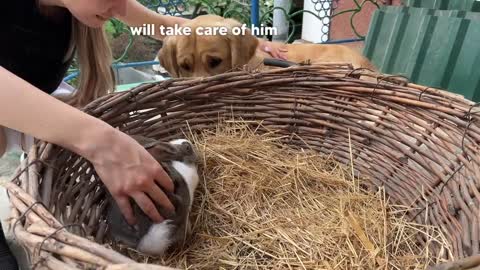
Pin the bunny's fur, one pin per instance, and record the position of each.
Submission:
(179, 160)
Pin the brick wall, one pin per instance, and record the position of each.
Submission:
(341, 29)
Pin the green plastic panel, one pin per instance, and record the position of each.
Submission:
(414, 11)
(437, 51)
(467, 5)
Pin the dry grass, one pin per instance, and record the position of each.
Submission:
(262, 205)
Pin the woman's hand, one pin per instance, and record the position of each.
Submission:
(128, 170)
(275, 49)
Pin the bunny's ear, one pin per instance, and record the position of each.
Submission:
(163, 151)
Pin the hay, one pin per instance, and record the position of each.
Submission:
(263, 205)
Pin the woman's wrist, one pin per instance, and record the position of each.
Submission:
(261, 42)
(92, 139)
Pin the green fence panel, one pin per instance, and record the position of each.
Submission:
(414, 11)
(465, 78)
(437, 51)
(468, 5)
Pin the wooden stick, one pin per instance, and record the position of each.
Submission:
(28, 200)
(33, 174)
(50, 244)
(47, 184)
(31, 215)
(138, 266)
(80, 242)
(54, 264)
(24, 176)
(470, 263)
(15, 215)
(60, 248)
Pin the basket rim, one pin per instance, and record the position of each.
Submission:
(107, 102)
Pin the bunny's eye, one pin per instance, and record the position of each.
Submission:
(213, 62)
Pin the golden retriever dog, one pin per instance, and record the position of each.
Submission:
(202, 54)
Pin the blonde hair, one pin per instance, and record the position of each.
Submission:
(94, 58)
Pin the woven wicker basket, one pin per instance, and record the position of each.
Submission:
(421, 144)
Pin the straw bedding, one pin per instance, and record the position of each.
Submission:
(263, 205)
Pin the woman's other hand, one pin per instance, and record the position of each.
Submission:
(275, 49)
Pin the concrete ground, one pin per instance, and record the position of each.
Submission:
(8, 163)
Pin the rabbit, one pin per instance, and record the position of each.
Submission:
(179, 160)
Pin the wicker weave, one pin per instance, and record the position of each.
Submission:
(421, 144)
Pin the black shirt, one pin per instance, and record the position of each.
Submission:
(32, 46)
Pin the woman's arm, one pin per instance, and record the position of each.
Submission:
(137, 15)
(124, 166)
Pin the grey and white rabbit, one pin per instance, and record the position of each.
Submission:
(178, 158)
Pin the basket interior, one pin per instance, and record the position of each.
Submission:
(420, 144)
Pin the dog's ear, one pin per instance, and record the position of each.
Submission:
(243, 45)
(167, 56)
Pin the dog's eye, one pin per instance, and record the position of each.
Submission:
(214, 62)
(185, 66)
